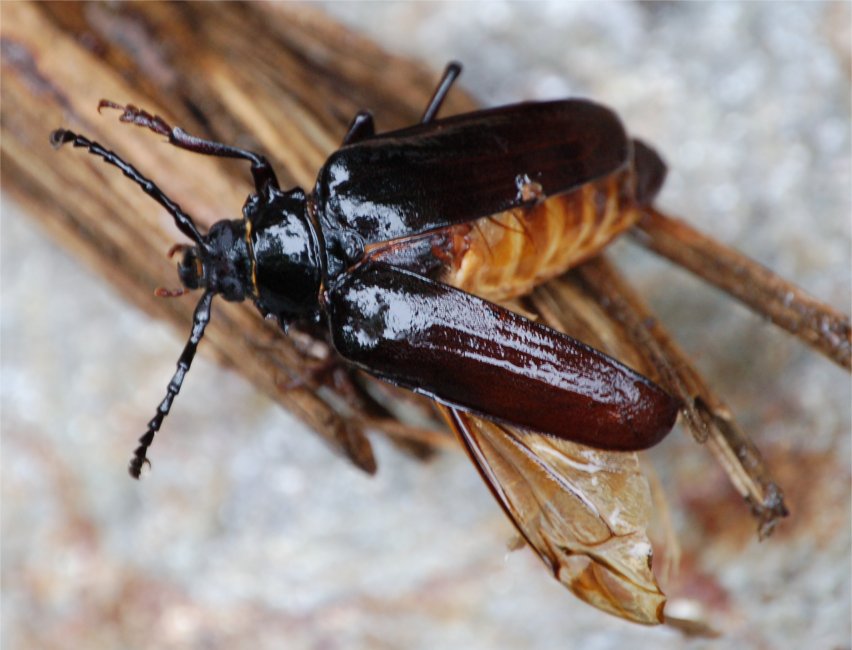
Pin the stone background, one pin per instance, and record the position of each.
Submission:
(250, 533)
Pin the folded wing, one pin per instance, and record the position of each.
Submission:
(583, 511)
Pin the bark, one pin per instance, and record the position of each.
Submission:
(197, 65)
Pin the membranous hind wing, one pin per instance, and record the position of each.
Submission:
(461, 168)
(583, 511)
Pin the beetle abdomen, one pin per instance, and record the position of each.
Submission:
(507, 254)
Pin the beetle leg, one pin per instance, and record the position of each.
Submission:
(360, 128)
(261, 170)
(362, 124)
(451, 73)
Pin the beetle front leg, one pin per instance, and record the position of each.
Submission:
(261, 170)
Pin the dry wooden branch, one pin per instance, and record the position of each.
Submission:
(706, 414)
(785, 304)
(197, 65)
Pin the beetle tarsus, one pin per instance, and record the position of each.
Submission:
(140, 458)
(134, 467)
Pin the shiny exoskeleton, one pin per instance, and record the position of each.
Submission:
(403, 228)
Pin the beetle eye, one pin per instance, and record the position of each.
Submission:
(191, 269)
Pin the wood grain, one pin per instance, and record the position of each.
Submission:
(280, 79)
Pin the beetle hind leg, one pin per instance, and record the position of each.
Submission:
(261, 170)
(451, 73)
(362, 126)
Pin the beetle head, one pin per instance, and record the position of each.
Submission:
(220, 263)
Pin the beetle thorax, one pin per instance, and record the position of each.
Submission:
(286, 256)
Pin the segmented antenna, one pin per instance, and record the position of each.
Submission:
(202, 311)
(182, 220)
(199, 322)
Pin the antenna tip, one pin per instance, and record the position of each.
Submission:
(60, 137)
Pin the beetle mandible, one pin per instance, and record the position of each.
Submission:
(384, 256)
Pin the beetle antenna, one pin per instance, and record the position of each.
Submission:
(199, 322)
(182, 220)
(261, 170)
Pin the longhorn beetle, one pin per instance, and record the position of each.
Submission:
(407, 235)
